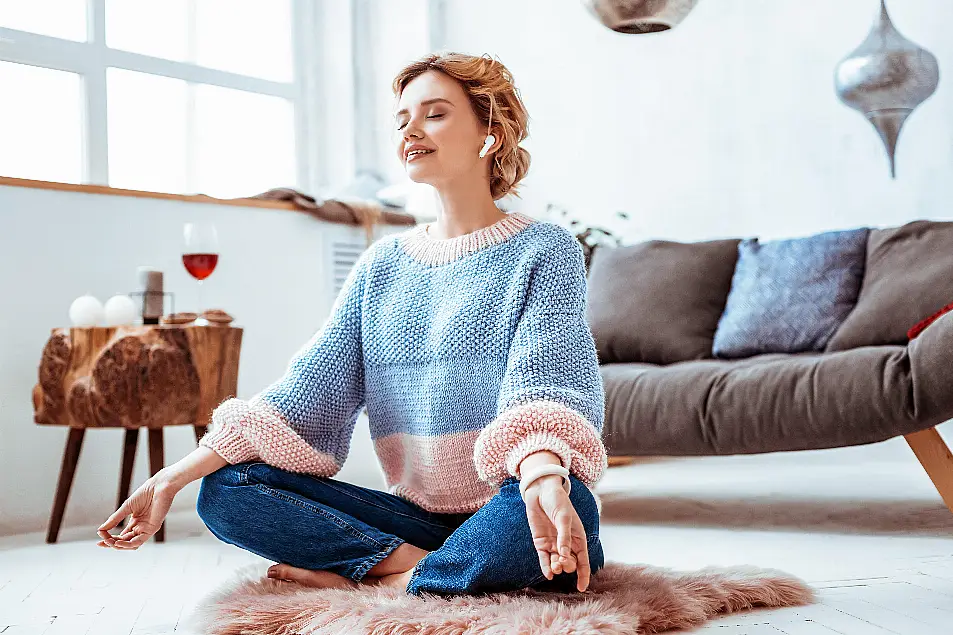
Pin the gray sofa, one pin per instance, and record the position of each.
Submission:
(653, 308)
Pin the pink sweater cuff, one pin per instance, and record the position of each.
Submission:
(539, 425)
(255, 430)
(534, 442)
(226, 439)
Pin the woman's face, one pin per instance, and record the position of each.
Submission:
(433, 113)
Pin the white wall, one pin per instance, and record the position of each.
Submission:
(727, 125)
(273, 276)
(396, 33)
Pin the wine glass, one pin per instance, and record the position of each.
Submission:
(200, 255)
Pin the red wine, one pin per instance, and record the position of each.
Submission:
(200, 266)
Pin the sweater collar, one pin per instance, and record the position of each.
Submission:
(418, 243)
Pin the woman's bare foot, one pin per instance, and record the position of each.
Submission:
(395, 570)
(309, 578)
(399, 580)
(403, 558)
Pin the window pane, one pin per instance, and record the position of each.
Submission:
(150, 27)
(244, 142)
(58, 18)
(147, 118)
(251, 37)
(41, 124)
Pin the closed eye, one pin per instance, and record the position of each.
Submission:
(429, 117)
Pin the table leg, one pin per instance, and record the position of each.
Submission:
(156, 463)
(130, 444)
(74, 443)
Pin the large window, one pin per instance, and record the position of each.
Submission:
(183, 96)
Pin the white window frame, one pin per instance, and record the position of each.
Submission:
(90, 60)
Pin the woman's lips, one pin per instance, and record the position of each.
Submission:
(419, 155)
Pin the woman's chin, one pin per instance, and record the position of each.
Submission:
(419, 176)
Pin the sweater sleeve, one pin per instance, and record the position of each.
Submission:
(303, 422)
(552, 396)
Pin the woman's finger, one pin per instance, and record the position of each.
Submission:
(116, 516)
(544, 563)
(583, 571)
(541, 530)
(132, 543)
(564, 532)
(122, 542)
(569, 564)
(131, 530)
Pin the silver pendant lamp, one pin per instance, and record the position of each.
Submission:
(886, 78)
(640, 16)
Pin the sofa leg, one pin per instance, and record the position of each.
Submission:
(616, 461)
(936, 459)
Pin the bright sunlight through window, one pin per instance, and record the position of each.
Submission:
(181, 96)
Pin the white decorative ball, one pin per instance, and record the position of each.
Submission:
(86, 310)
(119, 310)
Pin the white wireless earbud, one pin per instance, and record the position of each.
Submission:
(490, 140)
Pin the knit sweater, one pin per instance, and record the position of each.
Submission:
(469, 353)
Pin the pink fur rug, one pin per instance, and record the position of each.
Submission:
(622, 599)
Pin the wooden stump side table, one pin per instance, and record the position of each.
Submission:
(131, 377)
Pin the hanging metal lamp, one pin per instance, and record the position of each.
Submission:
(640, 16)
(886, 78)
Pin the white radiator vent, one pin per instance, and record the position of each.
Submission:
(344, 254)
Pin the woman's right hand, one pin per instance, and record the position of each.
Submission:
(148, 506)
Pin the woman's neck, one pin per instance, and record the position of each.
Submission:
(464, 209)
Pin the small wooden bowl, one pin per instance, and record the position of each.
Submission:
(178, 318)
(217, 317)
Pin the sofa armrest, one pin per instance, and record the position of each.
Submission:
(931, 365)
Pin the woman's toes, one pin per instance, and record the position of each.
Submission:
(309, 578)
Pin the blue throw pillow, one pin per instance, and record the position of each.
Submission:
(789, 296)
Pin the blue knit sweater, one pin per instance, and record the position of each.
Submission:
(469, 354)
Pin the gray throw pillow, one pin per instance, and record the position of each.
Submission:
(908, 277)
(658, 302)
(790, 296)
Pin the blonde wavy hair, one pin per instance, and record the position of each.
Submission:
(489, 85)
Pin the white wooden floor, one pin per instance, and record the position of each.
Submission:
(863, 525)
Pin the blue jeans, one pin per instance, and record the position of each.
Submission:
(326, 524)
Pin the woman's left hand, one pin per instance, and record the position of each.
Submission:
(558, 534)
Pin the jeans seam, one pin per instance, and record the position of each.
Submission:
(381, 507)
(243, 474)
(535, 580)
(359, 572)
(318, 511)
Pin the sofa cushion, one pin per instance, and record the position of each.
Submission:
(909, 276)
(765, 403)
(658, 301)
(790, 296)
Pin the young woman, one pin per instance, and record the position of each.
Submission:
(466, 341)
